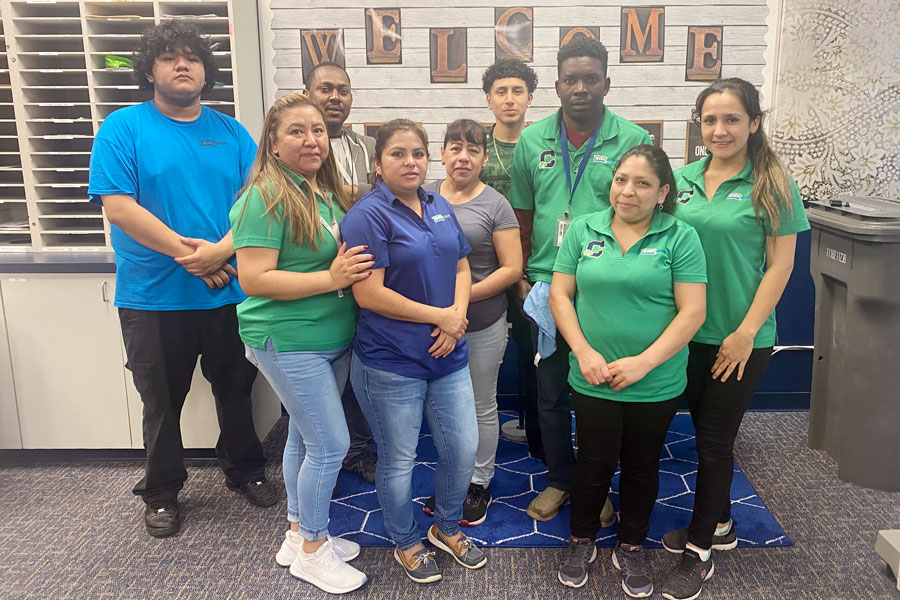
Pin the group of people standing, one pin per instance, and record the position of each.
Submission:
(628, 284)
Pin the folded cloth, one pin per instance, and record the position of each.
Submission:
(537, 306)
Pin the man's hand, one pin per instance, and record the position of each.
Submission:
(220, 278)
(208, 258)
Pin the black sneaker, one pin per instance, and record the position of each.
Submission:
(475, 507)
(428, 508)
(363, 466)
(573, 571)
(686, 580)
(162, 518)
(676, 540)
(259, 493)
(632, 561)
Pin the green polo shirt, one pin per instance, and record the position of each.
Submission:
(539, 182)
(496, 172)
(734, 240)
(322, 322)
(624, 303)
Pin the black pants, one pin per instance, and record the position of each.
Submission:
(609, 433)
(555, 413)
(357, 426)
(717, 409)
(162, 349)
(521, 335)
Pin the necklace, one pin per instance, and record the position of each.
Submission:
(497, 153)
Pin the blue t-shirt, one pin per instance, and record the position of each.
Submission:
(419, 258)
(188, 174)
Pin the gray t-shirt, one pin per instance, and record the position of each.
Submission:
(479, 218)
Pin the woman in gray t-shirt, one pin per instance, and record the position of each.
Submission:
(491, 228)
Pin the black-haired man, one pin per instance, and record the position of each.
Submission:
(562, 169)
(328, 85)
(167, 172)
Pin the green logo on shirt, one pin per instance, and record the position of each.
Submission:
(653, 251)
(684, 196)
(736, 196)
(439, 218)
(594, 249)
(547, 159)
(600, 158)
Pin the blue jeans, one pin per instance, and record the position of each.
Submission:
(309, 385)
(394, 405)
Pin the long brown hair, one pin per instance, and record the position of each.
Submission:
(270, 178)
(771, 191)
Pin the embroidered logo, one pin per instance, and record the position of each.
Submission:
(439, 218)
(547, 159)
(600, 158)
(206, 143)
(653, 251)
(736, 196)
(594, 249)
(684, 196)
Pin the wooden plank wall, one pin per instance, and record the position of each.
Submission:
(639, 91)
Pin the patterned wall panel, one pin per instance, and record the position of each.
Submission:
(838, 97)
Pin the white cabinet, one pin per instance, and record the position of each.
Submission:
(199, 425)
(67, 365)
(10, 438)
(64, 373)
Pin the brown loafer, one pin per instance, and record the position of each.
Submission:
(546, 505)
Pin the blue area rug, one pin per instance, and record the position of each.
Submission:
(355, 513)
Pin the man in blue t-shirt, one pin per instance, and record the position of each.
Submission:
(167, 172)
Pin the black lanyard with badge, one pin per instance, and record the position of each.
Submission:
(563, 221)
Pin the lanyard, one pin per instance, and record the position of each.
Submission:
(584, 159)
(332, 227)
(349, 178)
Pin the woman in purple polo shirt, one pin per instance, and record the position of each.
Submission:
(409, 355)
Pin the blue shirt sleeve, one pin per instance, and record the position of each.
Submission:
(113, 168)
(363, 226)
(247, 150)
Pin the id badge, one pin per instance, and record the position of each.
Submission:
(562, 225)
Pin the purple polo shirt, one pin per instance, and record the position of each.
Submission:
(419, 257)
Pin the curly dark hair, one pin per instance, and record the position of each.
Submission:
(509, 67)
(582, 46)
(168, 37)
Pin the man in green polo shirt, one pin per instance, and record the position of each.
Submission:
(563, 168)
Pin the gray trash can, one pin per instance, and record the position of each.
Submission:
(855, 404)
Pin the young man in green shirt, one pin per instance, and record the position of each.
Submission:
(562, 168)
(509, 86)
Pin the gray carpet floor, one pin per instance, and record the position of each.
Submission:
(74, 531)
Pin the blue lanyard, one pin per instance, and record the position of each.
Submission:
(584, 159)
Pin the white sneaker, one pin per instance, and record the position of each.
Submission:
(326, 571)
(346, 550)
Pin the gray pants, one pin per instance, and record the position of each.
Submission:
(486, 349)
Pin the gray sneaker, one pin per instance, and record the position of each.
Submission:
(632, 561)
(573, 571)
(686, 581)
(462, 550)
(423, 568)
(676, 540)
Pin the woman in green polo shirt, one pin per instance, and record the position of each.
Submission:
(747, 211)
(637, 277)
(298, 321)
